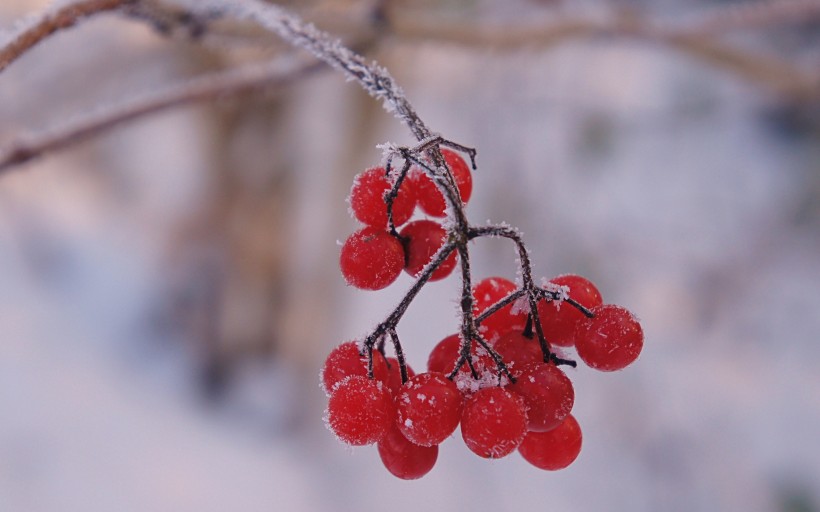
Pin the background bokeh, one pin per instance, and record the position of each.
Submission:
(168, 290)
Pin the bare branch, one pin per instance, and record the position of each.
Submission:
(52, 22)
(208, 87)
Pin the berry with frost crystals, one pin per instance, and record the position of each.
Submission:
(611, 340)
(360, 411)
(371, 259)
(429, 408)
(493, 422)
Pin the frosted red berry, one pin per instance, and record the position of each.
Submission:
(367, 199)
(555, 449)
(429, 196)
(360, 410)
(345, 361)
(493, 422)
(548, 395)
(558, 319)
(429, 408)
(486, 293)
(422, 239)
(404, 459)
(611, 340)
(371, 259)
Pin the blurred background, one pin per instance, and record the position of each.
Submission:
(170, 288)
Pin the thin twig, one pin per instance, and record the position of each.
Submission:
(52, 22)
(218, 85)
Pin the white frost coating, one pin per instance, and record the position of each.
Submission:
(373, 78)
(520, 306)
(408, 423)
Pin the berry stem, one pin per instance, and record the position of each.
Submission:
(394, 336)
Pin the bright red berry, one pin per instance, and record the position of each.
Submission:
(371, 259)
(345, 361)
(367, 199)
(486, 293)
(360, 410)
(493, 422)
(547, 393)
(559, 319)
(555, 449)
(429, 408)
(429, 196)
(394, 374)
(404, 459)
(609, 341)
(422, 239)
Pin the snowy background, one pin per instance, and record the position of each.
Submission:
(168, 291)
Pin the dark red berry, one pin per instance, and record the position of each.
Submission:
(555, 449)
(422, 238)
(404, 459)
(429, 196)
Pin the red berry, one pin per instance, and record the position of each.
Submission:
(345, 361)
(423, 239)
(493, 422)
(360, 411)
(558, 319)
(548, 395)
(371, 259)
(404, 459)
(429, 408)
(518, 351)
(486, 293)
(429, 196)
(446, 353)
(555, 449)
(367, 199)
(609, 341)
(394, 374)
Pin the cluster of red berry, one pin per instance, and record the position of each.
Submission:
(374, 256)
(409, 420)
(503, 385)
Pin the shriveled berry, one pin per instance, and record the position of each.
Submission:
(554, 449)
(371, 259)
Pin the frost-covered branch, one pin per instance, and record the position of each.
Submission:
(51, 22)
(218, 85)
